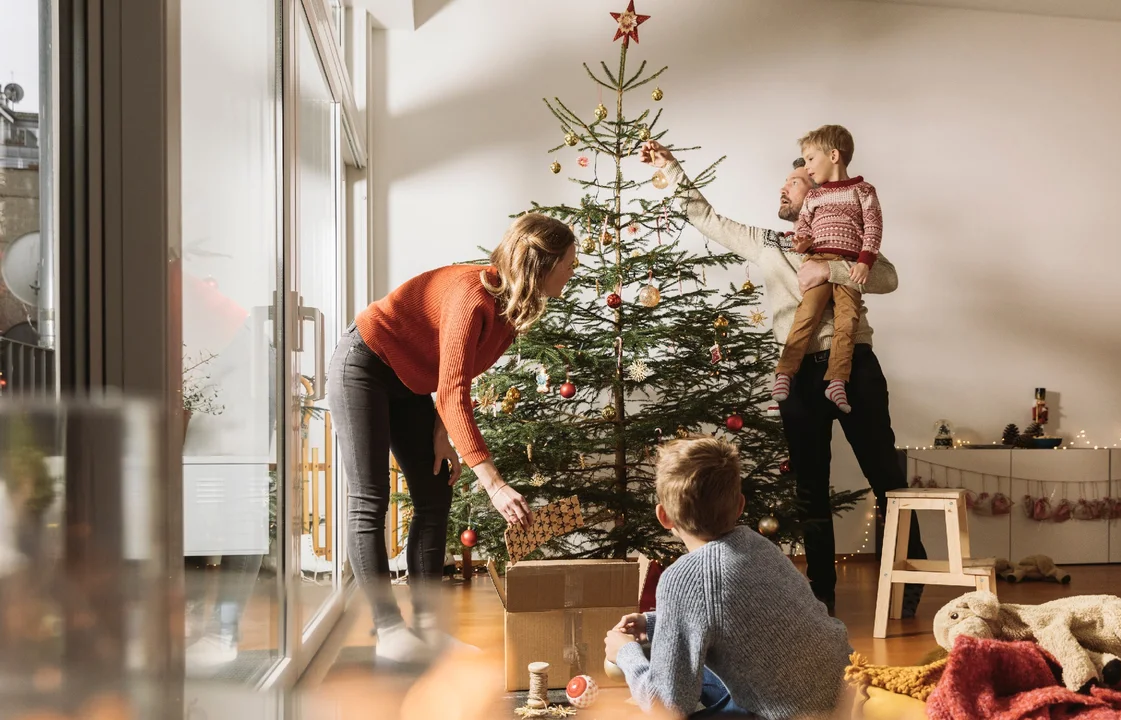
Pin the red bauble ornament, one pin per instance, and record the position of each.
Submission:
(734, 422)
(784, 467)
(468, 538)
(614, 301)
(567, 390)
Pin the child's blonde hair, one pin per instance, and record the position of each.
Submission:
(698, 483)
(828, 138)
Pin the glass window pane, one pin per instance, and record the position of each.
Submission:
(231, 259)
(317, 237)
(27, 239)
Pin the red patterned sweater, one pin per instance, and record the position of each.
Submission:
(439, 331)
(843, 218)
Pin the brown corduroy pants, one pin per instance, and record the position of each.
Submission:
(846, 315)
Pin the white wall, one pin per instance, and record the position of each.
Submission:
(988, 135)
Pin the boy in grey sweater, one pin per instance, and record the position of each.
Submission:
(737, 628)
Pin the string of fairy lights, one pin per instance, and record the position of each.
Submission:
(1078, 442)
(869, 524)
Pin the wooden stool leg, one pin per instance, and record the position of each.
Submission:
(903, 540)
(986, 583)
(957, 535)
(887, 564)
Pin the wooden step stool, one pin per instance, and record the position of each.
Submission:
(896, 569)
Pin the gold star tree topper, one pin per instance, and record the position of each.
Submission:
(628, 24)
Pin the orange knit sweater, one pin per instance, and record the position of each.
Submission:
(437, 332)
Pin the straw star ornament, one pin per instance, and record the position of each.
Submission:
(628, 24)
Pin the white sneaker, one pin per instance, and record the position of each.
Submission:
(440, 641)
(398, 645)
(210, 654)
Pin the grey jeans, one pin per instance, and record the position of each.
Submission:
(374, 413)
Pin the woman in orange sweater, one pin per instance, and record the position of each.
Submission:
(433, 334)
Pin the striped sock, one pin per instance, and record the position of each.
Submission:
(835, 391)
(781, 389)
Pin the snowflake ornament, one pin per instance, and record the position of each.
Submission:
(638, 371)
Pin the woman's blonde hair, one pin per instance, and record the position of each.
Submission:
(529, 251)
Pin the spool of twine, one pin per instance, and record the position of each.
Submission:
(538, 686)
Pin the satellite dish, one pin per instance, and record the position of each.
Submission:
(13, 92)
(19, 268)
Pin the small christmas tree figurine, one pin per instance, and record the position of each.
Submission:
(1011, 432)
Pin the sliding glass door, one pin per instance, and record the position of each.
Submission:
(263, 280)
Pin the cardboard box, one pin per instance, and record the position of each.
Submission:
(558, 611)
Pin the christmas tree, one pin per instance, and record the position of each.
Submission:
(640, 349)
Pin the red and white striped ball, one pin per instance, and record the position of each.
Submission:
(581, 691)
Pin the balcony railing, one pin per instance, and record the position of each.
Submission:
(25, 370)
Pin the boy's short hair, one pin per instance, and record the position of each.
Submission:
(828, 138)
(698, 482)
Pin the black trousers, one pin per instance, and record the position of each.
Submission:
(374, 413)
(807, 421)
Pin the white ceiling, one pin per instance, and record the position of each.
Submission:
(405, 14)
(1086, 9)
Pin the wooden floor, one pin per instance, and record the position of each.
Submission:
(477, 615)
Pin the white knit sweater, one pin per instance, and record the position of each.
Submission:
(773, 253)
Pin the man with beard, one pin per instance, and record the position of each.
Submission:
(807, 414)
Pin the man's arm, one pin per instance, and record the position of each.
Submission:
(744, 240)
(674, 674)
(881, 278)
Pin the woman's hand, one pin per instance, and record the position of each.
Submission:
(445, 451)
(511, 505)
(656, 154)
(506, 500)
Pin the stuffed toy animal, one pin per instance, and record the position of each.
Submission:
(1033, 567)
(1082, 632)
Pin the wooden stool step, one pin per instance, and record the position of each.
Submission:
(896, 569)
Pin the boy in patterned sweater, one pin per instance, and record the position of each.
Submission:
(840, 219)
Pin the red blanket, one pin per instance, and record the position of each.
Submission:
(1012, 681)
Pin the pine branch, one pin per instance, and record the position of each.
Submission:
(632, 85)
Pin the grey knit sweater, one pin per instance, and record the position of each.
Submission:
(739, 606)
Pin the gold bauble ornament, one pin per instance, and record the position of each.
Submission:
(649, 296)
(657, 95)
(575, 262)
(571, 139)
(609, 412)
(601, 112)
(507, 407)
(588, 244)
(747, 288)
(720, 323)
(681, 433)
(644, 134)
(513, 394)
(660, 180)
(555, 167)
(768, 525)
(608, 238)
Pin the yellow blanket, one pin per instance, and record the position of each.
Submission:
(917, 682)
